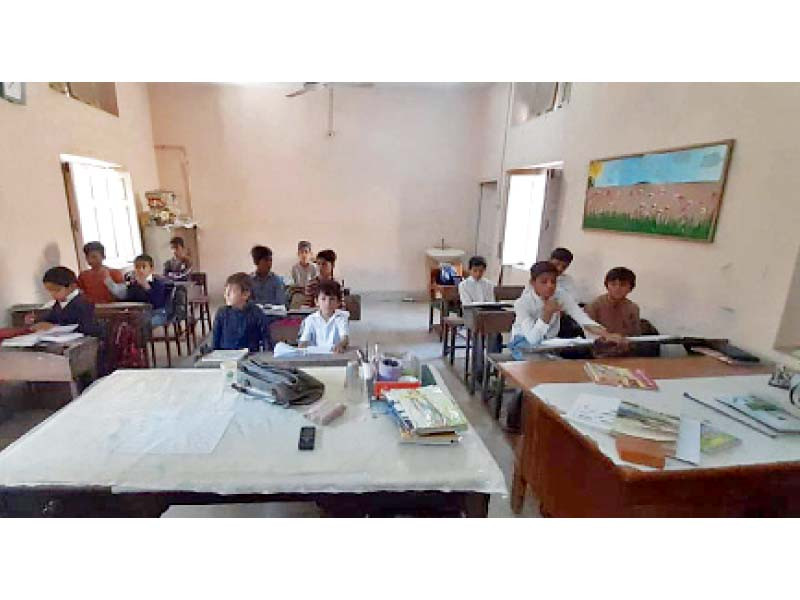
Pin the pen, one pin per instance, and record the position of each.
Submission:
(730, 416)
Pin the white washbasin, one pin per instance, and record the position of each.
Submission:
(446, 254)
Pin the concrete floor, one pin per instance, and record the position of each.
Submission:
(396, 326)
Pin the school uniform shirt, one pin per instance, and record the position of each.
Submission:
(622, 318)
(236, 328)
(269, 289)
(93, 285)
(566, 284)
(325, 334)
(302, 274)
(75, 309)
(475, 290)
(157, 295)
(528, 323)
(178, 269)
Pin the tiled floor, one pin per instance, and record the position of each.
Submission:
(396, 326)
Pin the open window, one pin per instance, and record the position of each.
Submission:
(102, 208)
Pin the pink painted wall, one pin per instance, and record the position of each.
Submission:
(34, 219)
(400, 174)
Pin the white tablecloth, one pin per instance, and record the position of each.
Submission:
(755, 448)
(80, 444)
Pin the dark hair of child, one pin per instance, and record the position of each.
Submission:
(562, 254)
(542, 267)
(242, 280)
(177, 241)
(304, 245)
(622, 274)
(328, 255)
(94, 247)
(477, 261)
(330, 288)
(60, 276)
(143, 258)
(260, 253)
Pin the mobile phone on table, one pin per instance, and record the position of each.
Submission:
(307, 436)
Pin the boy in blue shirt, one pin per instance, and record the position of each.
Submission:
(267, 287)
(240, 323)
(69, 306)
(146, 287)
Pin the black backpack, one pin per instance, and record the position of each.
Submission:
(283, 386)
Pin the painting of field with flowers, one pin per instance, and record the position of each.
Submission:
(675, 193)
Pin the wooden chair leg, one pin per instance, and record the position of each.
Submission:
(453, 333)
(430, 316)
(166, 343)
(208, 317)
(466, 356)
(189, 336)
(202, 321)
(153, 351)
(445, 338)
(486, 371)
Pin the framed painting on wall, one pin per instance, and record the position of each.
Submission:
(674, 193)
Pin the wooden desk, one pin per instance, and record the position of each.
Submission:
(481, 323)
(571, 477)
(51, 362)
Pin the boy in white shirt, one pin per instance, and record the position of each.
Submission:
(562, 259)
(538, 312)
(328, 327)
(475, 288)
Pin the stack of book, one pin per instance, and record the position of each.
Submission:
(426, 415)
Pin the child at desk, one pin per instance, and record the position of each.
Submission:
(614, 311)
(327, 327)
(69, 306)
(562, 259)
(97, 281)
(240, 323)
(538, 312)
(179, 266)
(475, 288)
(267, 287)
(305, 269)
(326, 261)
(146, 287)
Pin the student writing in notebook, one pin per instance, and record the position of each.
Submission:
(69, 306)
(614, 311)
(538, 312)
(328, 327)
(96, 281)
(240, 323)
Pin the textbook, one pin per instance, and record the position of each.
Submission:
(764, 411)
(714, 440)
(220, 356)
(426, 410)
(60, 334)
(638, 421)
(619, 376)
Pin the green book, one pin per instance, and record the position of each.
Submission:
(714, 440)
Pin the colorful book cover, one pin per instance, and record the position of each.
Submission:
(428, 409)
(714, 440)
(764, 411)
(638, 421)
(619, 376)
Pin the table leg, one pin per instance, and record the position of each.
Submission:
(482, 337)
(445, 339)
(499, 391)
(476, 505)
(453, 332)
(486, 371)
(518, 487)
(466, 355)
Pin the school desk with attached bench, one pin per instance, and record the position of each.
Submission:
(576, 471)
(139, 441)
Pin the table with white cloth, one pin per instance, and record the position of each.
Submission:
(139, 441)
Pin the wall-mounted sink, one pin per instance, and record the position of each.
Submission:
(445, 254)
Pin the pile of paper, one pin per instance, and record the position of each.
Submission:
(60, 334)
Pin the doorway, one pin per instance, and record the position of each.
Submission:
(488, 228)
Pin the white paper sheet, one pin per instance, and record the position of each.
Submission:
(688, 446)
(594, 411)
(59, 333)
(566, 342)
(170, 433)
(283, 350)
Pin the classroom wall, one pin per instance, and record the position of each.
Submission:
(736, 286)
(399, 174)
(34, 219)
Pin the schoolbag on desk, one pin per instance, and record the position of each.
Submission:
(128, 354)
(286, 385)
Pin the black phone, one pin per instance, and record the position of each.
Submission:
(307, 436)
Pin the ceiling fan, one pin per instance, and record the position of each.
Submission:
(312, 86)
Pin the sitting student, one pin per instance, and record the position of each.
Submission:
(562, 259)
(147, 287)
(69, 306)
(93, 281)
(614, 311)
(328, 327)
(326, 261)
(240, 323)
(475, 288)
(538, 312)
(268, 288)
(305, 270)
(179, 266)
